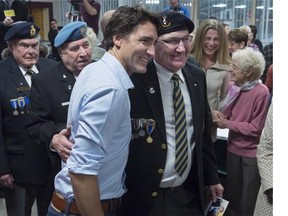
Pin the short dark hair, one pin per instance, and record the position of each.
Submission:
(53, 20)
(238, 36)
(124, 20)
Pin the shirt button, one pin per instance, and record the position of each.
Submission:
(154, 194)
(163, 146)
(160, 171)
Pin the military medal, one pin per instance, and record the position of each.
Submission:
(150, 126)
(27, 101)
(141, 132)
(21, 104)
(13, 103)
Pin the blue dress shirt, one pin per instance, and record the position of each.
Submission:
(99, 117)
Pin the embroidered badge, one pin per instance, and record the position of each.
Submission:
(32, 31)
(165, 22)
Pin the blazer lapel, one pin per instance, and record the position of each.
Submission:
(195, 96)
(17, 77)
(152, 92)
(67, 79)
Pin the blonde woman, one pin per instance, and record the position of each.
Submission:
(210, 51)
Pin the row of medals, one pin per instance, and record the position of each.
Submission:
(19, 102)
(139, 126)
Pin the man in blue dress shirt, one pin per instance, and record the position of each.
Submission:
(92, 180)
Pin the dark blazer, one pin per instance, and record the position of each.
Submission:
(50, 96)
(19, 155)
(147, 160)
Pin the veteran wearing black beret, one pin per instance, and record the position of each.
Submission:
(25, 170)
(171, 155)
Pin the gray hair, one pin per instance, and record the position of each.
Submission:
(250, 60)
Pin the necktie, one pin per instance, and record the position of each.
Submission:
(180, 128)
(30, 72)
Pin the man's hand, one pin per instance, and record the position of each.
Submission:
(216, 191)
(62, 144)
(7, 180)
(7, 21)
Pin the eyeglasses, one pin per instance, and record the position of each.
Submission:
(176, 41)
(234, 67)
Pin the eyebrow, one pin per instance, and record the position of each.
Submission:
(28, 44)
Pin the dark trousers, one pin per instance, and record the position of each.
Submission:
(175, 201)
(20, 199)
(243, 182)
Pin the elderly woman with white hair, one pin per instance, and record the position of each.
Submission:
(244, 116)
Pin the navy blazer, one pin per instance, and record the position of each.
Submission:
(19, 155)
(146, 161)
(50, 96)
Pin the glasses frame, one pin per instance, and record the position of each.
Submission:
(187, 40)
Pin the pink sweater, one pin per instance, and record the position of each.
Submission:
(247, 121)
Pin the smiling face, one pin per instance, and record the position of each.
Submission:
(173, 49)
(135, 50)
(25, 51)
(76, 55)
(237, 74)
(211, 43)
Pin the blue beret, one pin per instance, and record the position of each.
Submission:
(171, 21)
(71, 32)
(22, 30)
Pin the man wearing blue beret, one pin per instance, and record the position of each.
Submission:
(92, 180)
(24, 165)
(51, 90)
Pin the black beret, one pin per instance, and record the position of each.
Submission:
(171, 21)
(71, 32)
(22, 30)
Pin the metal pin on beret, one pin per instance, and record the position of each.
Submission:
(171, 21)
(71, 32)
(22, 30)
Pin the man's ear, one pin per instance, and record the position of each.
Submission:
(117, 40)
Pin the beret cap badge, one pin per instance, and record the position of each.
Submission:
(83, 31)
(165, 22)
(32, 31)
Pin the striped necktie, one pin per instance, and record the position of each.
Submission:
(30, 72)
(181, 158)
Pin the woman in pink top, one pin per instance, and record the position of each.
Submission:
(244, 116)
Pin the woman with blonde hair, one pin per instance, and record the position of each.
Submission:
(210, 51)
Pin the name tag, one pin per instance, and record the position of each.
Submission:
(9, 13)
(65, 103)
(23, 88)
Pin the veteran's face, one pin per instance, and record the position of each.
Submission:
(172, 50)
(138, 48)
(25, 51)
(76, 55)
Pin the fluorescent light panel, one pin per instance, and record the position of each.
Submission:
(220, 5)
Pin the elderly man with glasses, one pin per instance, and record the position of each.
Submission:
(171, 155)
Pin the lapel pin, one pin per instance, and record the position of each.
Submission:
(151, 90)
(69, 87)
(195, 84)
